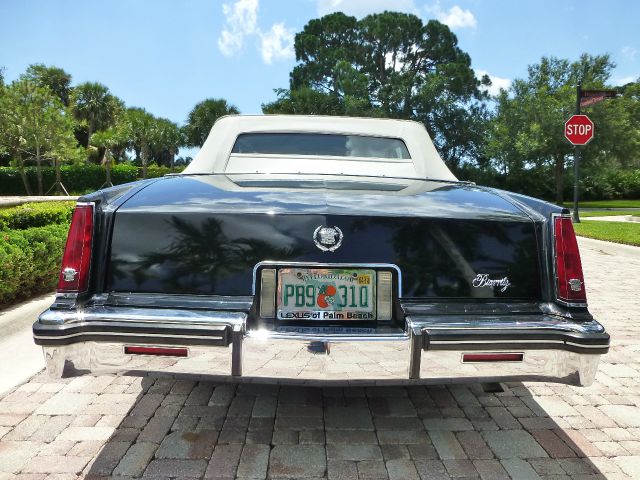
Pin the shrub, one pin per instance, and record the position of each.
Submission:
(29, 261)
(154, 171)
(539, 182)
(76, 178)
(84, 178)
(612, 184)
(35, 215)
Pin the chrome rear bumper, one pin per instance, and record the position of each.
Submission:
(220, 345)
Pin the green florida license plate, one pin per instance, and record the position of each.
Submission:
(326, 294)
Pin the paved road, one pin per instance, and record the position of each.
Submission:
(108, 426)
(20, 358)
(614, 218)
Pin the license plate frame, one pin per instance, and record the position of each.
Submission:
(358, 284)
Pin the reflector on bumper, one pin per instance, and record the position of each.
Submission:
(159, 351)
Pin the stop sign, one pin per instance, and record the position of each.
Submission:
(579, 129)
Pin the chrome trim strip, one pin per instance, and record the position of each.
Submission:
(270, 335)
(572, 304)
(510, 323)
(546, 257)
(182, 301)
(581, 345)
(140, 315)
(489, 342)
(324, 174)
(66, 296)
(517, 342)
(66, 301)
(271, 263)
(515, 328)
(125, 334)
(414, 337)
(426, 307)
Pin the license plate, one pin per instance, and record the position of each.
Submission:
(326, 294)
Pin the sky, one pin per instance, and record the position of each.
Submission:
(167, 55)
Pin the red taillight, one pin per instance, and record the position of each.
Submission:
(492, 357)
(568, 266)
(74, 274)
(159, 351)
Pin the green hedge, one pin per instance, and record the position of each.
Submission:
(29, 261)
(35, 215)
(154, 171)
(32, 239)
(612, 184)
(76, 178)
(539, 182)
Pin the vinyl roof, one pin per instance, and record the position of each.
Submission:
(214, 155)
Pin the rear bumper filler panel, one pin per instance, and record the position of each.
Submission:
(430, 350)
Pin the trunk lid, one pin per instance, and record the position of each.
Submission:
(205, 234)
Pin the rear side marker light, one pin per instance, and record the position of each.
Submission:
(492, 357)
(569, 277)
(158, 351)
(74, 274)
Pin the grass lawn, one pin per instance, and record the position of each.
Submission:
(608, 213)
(618, 232)
(606, 204)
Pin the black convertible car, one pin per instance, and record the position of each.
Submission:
(321, 249)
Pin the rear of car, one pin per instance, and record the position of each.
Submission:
(312, 276)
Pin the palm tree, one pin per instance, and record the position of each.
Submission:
(168, 138)
(95, 106)
(143, 133)
(202, 118)
(53, 78)
(113, 140)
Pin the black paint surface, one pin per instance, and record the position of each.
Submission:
(205, 234)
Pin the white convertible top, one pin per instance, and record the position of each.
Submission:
(216, 155)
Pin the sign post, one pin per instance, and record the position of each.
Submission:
(579, 131)
(576, 161)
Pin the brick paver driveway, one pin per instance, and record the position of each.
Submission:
(156, 427)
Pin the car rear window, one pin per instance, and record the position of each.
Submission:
(321, 144)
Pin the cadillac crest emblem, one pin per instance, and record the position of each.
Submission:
(327, 239)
